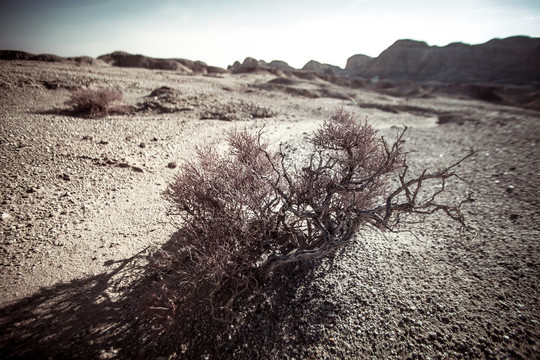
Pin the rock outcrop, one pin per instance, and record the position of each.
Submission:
(120, 59)
(250, 64)
(513, 60)
(280, 65)
(22, 55)
(357, 63)
(123, 59)
(315, 66)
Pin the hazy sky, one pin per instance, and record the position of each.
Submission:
(220, 32)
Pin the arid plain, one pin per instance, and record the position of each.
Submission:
(82, 208)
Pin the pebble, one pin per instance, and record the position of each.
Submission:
(64, 177)
(5, 216)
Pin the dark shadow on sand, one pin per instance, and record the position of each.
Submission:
(104, 316)
(75, 319)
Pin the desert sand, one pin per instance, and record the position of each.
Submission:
(82, 209)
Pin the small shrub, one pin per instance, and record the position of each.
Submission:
(97, 103)
(258, 111)
(249, 210)
(236, 111)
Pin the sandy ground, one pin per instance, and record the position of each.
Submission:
(81, 209)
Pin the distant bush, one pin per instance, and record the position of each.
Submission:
(236, 111)
(97, 103)
(249, 210)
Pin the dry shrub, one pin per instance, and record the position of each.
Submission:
(248, 210)
(258, 111)
(236, 111)
(97, 103)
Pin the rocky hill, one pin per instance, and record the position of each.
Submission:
(513, 60)
(356, 63)
(120, 59)
(249, 64)
(22, 55)
(316, 66)
(502, 71)
(123, 59)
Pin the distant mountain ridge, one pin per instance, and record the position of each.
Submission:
(120, 59)
(22, 55)
(250, 63)
(514, 60)
(328, 69)
(123, 59)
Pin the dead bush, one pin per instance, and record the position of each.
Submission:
(249, 210)
(97, 103)
(231, 111)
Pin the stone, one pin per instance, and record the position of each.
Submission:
(64, 177)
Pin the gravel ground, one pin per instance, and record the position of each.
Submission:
(82, 209)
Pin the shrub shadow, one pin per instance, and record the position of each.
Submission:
(291, 317)
(85, 318)
(104, 316)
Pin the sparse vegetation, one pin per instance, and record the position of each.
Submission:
(97, 103)
(236, 111)
(250, 210)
